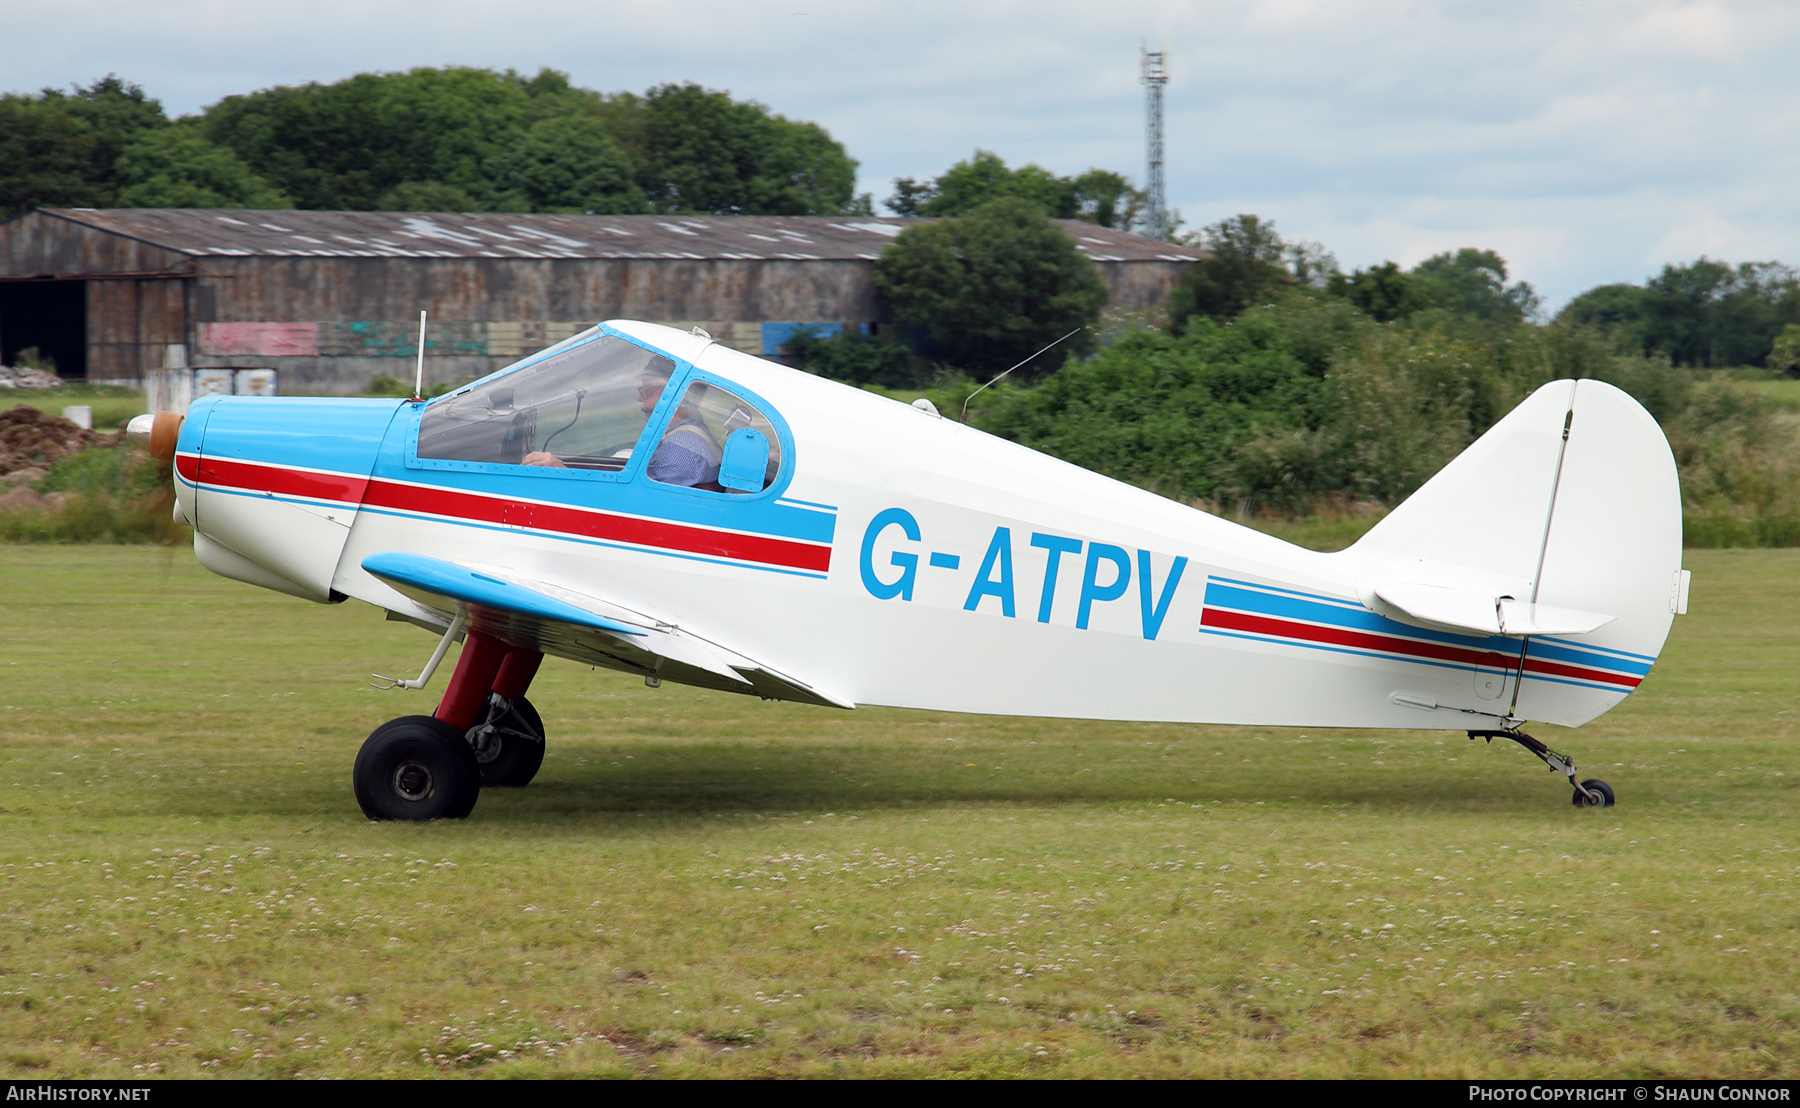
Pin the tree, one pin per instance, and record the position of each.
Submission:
(435, 196)
(1784, 357)
(176, 168)
(1383, 292)
(985, 177)
(1246, 265)
(910, 196)
(500, 141)
(1098, 196)
(59, 149)
(1707, 313)
(1106, 199)
(1472, 283)
(346, 145)
(568, 163)
(44, 159)
(1617, 309)
(451, 139)
(992, 287)
(704, 152)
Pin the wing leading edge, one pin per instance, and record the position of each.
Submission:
(584, 628)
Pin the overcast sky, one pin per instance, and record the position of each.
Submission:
(1587, 141)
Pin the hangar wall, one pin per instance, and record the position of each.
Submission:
(331, 299)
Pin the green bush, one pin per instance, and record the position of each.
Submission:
(854, 358)
(101, 495)
(1166, 412)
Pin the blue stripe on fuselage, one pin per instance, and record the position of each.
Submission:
(1330, 610)
(1291, 605)
(1543, 648)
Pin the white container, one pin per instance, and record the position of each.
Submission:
(169, 390)
(255, 382)
(212, 382)
(81, 415)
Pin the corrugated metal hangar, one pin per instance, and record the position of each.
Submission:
(331, 299)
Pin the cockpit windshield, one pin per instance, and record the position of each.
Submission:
(584, 408)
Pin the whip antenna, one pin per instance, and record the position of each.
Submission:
(964, 417)
(419, 373)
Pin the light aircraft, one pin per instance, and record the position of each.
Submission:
(651, 501)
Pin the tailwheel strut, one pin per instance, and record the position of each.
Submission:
(1592, 793)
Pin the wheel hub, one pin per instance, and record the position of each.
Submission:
(412, 780)
(486, 741)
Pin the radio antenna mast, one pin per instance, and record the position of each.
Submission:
(1154, 72)
(419, 372)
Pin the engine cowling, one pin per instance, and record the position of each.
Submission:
(272, 485)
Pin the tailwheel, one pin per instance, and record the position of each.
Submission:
(416, 768)
(509, 743)
(1593, 793)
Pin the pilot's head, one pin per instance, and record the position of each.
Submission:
(651, 385)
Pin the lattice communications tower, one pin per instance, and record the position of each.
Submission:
(1154, 68)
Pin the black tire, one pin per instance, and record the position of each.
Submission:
(1594, 785)
(509, 762)
(416, 768)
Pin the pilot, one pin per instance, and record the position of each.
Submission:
(688, 455)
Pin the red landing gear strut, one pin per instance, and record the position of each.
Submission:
(485, 700)
(484, 733)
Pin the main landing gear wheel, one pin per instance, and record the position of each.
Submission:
(416, 768)
(1592, 793)
(1597, 794)
(509, 744)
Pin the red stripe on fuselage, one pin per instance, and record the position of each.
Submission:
(1341, 636)
(1363, 640)
(600, 525)
(283, 482)
(1535, 665)
(488, 509)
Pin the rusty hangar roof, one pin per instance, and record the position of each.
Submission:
(235, 233)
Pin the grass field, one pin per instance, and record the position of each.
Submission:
(1785, 392)
(113, 405)
(704, 885)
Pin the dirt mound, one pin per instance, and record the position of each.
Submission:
(31, 439)
(24, 377)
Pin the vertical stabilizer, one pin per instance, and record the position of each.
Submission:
(1570, 502)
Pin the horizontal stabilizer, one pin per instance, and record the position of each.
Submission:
(1520, 617)
(1485, 613)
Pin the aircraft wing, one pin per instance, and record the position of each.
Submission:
(585, 628)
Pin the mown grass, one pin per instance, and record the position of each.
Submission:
(703, 885)
(113, 405)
